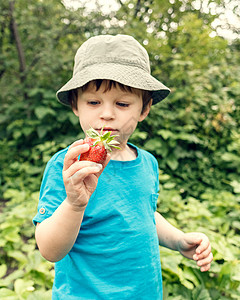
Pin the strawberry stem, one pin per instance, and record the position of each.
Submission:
(106, 139)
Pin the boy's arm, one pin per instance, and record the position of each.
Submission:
(193, 245)
(168, 235)
(57, 234)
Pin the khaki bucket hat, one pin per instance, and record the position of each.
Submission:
(120, 58)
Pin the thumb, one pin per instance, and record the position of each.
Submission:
(192, 238)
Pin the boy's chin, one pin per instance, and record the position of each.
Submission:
(122, 142)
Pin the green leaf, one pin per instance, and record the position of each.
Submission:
(172, 162)
(92, 133)
(184, 280)
(106, 135)
(3, 270)
(21, 286)
(42, 131)
(3, 118)
(11, 277)
(153, 144)
(17, 134)
(27, 131)
(229, 157)
(165, 134)
(18, 255)
(42, 111)
(189, 137)
(169, 185)
(236, 186)
(236, 224)
(40, 295)
(7, 294)
(200, 293)
(170, 261)
(11, 234)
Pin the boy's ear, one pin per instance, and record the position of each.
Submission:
(146, 111)
(75, 111)
(74, 102)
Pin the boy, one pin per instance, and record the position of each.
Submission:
(98, 222)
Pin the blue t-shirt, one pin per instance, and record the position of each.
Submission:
(116, 254)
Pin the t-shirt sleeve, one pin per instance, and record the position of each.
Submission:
(52, 191)
(156, 172)
(153, 171)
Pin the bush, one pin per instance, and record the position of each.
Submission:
(194, 135)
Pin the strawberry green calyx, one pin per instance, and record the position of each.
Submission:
(105, 139)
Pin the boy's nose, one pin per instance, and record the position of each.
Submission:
(107, 112)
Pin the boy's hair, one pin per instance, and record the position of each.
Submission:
(146, 95)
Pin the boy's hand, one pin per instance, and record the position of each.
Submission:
(196, 246)
(80, 177)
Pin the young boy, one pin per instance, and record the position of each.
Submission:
(98, 222)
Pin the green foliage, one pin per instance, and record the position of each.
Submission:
(194, 134)
(24, 274)
(215, 214)
(23, 270)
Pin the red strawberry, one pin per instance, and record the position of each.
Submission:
(99, 145)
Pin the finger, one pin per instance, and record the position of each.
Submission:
(83, 173)
(206, 261)
(203, 254)
(192, 239)
(73, 153)
(78, 165)
(205, 268)
(76, 143)
(203, 245)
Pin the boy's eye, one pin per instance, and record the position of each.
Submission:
(93, 102)
(122, 104)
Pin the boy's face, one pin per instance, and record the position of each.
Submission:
(117, 110)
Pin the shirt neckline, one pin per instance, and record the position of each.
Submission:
(127, 163)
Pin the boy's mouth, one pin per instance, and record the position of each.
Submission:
(105, 129)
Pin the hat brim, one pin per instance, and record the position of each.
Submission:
(132, 76)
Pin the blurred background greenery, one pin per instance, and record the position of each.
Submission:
(194, 134)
